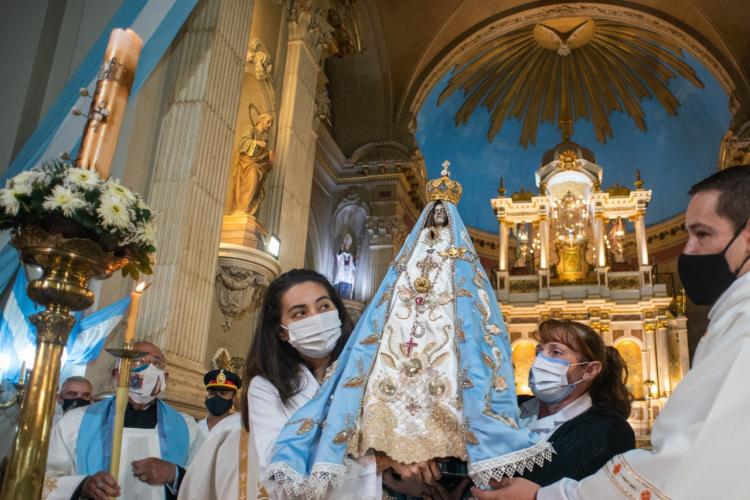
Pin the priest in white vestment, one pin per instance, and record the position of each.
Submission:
(158, 442)
(701, 436)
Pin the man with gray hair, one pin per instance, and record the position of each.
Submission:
(74, 392)
(157, 442)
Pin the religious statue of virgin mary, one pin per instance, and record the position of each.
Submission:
(426, 374)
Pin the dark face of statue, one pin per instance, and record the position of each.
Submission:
(439, 217)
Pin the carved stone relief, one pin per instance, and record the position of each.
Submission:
(307, 21)
(259, 61)
(323, 105)
(735, 147)
(388, 230)
(237, 289)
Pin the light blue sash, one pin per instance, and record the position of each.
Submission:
(94, 444)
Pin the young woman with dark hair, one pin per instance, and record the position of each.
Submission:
(302, 328)
(279, 360)
(580, 402)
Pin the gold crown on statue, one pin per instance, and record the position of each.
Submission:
(444, 188)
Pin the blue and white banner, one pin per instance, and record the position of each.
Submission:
(18, 334)
(157, 23)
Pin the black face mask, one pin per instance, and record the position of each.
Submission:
(218, 406)
(706, 277)
(69, 404)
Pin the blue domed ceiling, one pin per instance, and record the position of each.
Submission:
(672, 154)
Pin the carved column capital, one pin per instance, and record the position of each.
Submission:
(259, 61)
(735, 147)
(385, 230)
(323, 105)
(53, 325)
(307, 23)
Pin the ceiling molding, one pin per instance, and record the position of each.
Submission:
(518, 20)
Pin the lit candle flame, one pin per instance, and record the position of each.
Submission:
(141, 287)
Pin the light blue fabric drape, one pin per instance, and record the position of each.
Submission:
(86, 339)
(311, 452)
(157, 23)
(94, 444)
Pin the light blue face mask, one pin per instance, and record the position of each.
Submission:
(548, 378)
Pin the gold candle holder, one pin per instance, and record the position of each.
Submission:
(126, 355)
(110, 101)
(67, 264)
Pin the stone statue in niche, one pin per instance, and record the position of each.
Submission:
(346, 265)
(341, 40)
(253, 164)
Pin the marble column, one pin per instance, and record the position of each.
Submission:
(640, 238)
(601, 251)
(286, 208)
(503, 255)
(662, 359)
(543, 244)
(503, 286)
(188, 188)
(649, 341)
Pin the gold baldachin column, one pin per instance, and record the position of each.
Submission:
(67, 266)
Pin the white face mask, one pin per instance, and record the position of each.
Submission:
(143, 383)
(548, 378)
(315, 336)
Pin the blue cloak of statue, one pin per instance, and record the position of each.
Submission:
(314, 448)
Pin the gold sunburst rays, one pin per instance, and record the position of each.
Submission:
(565, 70)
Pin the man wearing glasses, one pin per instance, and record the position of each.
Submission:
(158, 442)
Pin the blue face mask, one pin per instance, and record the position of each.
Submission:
(548, 378)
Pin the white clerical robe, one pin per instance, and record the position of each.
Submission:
(62, 478)
(8, 418)
(701, 436)
(203, 426)
(214, 474)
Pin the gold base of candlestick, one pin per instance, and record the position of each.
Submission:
(67, 266)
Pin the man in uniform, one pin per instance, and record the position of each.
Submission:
(221, 388)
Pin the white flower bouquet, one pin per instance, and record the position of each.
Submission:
(77, 203)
